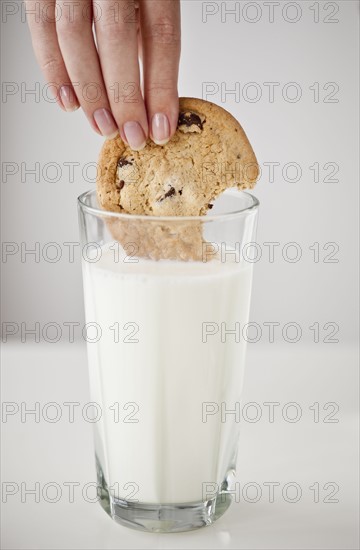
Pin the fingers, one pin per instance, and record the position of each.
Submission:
(64, 46)
(48, 54)
(160, 27)
(117, 39)
(76, 40)
(108, 88)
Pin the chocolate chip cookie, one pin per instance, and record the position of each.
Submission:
(208, 154)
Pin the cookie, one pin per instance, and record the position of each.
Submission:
(208, 154)
(160, 240)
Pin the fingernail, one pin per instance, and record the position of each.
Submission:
(160, 129)
(134, 135)
(68, 98)
(106, 123)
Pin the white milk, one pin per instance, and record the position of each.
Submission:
(161, 448)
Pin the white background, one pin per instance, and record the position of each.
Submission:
(218, 50)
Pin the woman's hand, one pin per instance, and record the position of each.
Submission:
(103, 76)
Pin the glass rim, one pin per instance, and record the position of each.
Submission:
(205, 218)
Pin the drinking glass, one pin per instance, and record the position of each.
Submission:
(167, 306)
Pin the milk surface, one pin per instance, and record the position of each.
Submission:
(153, 372)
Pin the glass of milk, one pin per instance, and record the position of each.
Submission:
(166, 343)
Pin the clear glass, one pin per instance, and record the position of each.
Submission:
(166, 350)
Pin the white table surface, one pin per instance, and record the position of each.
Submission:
(305, 452)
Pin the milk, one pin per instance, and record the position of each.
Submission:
(153, 371)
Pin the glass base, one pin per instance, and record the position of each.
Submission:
(162, 518)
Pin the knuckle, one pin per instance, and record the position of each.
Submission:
(161, 88)
(163, 31)
(52, 65)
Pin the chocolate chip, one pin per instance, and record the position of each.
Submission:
(123, 162)
(120, 184)
(168, 194)
(189, 119)
(180, 191)
(210, 206)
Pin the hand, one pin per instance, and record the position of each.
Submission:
(103, 77)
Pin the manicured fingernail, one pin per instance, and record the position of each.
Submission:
(160, 129)
(134, 135)
(68, 98)
(106, 123)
